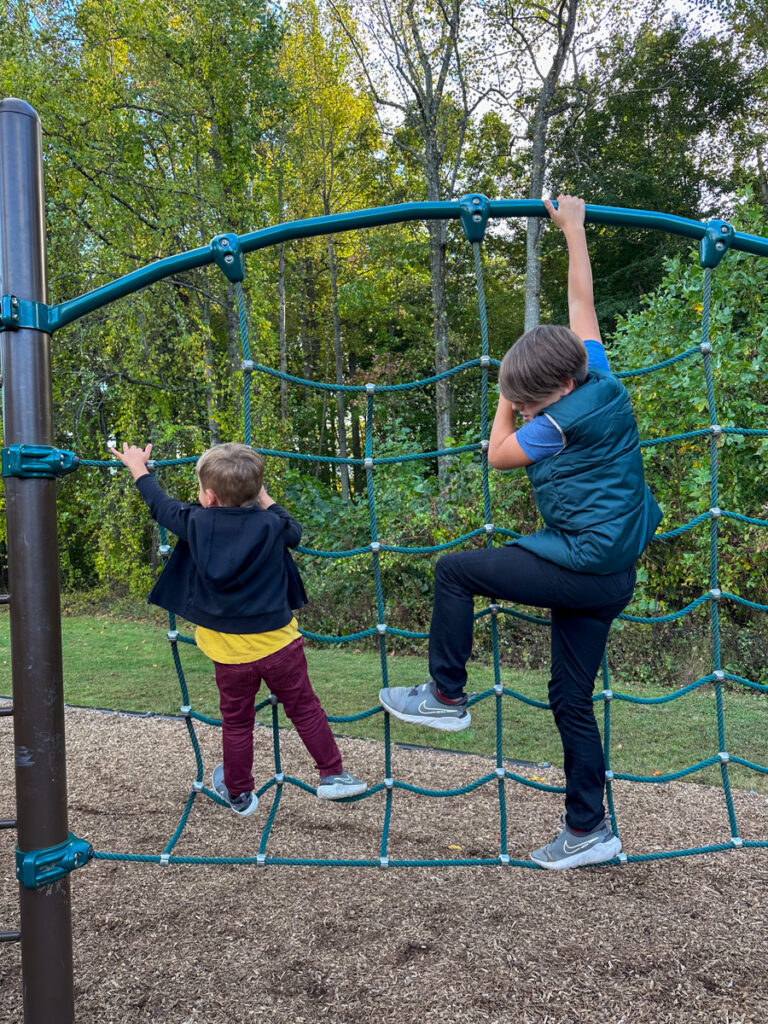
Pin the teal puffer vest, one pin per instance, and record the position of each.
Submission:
(598, 509)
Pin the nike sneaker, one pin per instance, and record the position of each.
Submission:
(574, 849)
(421, 705)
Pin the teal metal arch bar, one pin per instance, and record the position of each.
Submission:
(66, 312)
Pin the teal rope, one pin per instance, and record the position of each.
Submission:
(502, 775)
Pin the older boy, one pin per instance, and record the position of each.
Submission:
(232, 575)
(579, 444)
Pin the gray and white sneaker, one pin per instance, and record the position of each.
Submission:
(420, 705)
(573, 849)
(336, 787)
(243, 804)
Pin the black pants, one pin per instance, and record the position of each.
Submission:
(583, 607)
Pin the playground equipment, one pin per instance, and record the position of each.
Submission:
(46, 851)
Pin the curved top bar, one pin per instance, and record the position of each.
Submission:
(66, 312)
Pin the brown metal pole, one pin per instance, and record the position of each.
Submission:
(33, 576)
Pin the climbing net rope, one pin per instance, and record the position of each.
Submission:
(501, 775)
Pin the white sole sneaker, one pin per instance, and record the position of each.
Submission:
(598, 854)
(336, 787)
(453, 724)
(217, 779)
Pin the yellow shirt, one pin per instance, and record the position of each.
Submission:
(240, 648)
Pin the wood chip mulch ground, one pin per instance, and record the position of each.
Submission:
(683, 940)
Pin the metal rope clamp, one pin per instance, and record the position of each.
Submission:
(39, 867)
(716, 242)
(37, 460)
(229, 257)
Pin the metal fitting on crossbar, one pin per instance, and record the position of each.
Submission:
(273, 699)
(724, 756)
(389, 783)
(715, 593)
(705, 348)
(185, 710)
(370, 388)
(261, 860)
(165, 860)
(383, 862)
(622, 859)
(484, 444)
(495, 609)
(375, 546)
(368, 463)
(39, 867)
(247, 366)
(173, 635)
(488, 527)
(198, 786)
(607, 695)
(501, 772)
(715, 512)
(609, 776)
(737, 841)
(504, 858)
(498, 689)
(279, 778)
(164, 550)
(716, 430)
(719, 675)
(37, 460)
(485, 362)
(381, 628)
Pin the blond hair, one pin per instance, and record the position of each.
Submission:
(541, 361)
(234, 472)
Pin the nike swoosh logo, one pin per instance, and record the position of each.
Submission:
(579, 846)
(423, 709)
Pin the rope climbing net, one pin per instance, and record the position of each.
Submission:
(474, 213)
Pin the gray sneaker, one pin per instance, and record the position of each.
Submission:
(244, 804)
(573, 849)
(420, 705)
(336, 787)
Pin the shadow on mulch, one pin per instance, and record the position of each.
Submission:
(682, 940)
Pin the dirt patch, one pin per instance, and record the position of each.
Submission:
(682, 940)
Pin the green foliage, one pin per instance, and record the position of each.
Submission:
(674, 401)
(649, 114)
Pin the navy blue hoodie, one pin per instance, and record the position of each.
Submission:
(230, 569)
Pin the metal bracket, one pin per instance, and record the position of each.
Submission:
(37, 460)
(39, 867)
(229, 256)
(714, 245)
(16, 313)
(474, 211)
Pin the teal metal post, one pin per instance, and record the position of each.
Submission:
(33, 575)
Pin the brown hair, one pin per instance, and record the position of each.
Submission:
(541, 361)
(234, 472)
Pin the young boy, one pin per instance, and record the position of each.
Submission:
(579, 444)
(232, 575)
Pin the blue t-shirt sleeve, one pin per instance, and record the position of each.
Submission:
(596, 357)
(540, 437)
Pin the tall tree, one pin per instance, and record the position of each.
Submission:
(650, 110)
(422, 62)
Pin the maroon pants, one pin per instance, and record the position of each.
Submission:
(285, 673)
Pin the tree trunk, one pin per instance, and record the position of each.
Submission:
(341, 412)
(535, 225)
(437, 253)
(214, 430)
(762, 180)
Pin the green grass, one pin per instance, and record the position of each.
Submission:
(126, 665)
